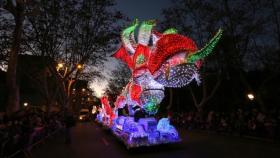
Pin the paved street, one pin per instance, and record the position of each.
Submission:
(90, 140)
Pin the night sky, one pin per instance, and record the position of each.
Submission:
(142, 9)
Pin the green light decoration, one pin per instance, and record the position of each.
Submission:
(151, 107)
(145, 30)
(205, 50)
(170, 31)
(126, 32)
(140, 59)
(126, 35)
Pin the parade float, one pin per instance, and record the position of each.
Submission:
(156, 60)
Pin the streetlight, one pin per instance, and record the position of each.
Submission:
(25, 104)
(60, 65)
(251, 96)
(79, 66)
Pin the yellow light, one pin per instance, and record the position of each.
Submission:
(94, 109)
(25, 104)
(60, 65)
(250, 96)
(80, 117)
(79, 66)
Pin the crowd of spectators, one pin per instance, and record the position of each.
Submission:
(27, 128)
(252, 123)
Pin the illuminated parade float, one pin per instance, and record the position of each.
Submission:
(156, 60)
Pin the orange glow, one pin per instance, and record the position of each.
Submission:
(60, 65)
(79, 66)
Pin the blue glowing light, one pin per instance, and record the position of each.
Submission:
(165, 127)
(145, 132)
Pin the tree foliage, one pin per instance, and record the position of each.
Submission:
(75, 33)
(117, 82)
(247, 44)
(6, 33)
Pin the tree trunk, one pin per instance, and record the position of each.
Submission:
(45, 90)
(206, 94)
(13, 88)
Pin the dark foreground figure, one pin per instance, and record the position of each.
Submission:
(69, 122)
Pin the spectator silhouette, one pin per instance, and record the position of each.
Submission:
(69, 122)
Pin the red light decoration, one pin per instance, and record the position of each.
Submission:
(119, 101)
(158, 34)
(123, 55)
(108, 110)
(135, 92)
(199, 63)
(141, 56)
(167, 46)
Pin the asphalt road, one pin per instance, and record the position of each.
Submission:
(91, 141)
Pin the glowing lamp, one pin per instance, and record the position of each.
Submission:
(79, 66)
(25, 104)
(250, 96)
(60, 65)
